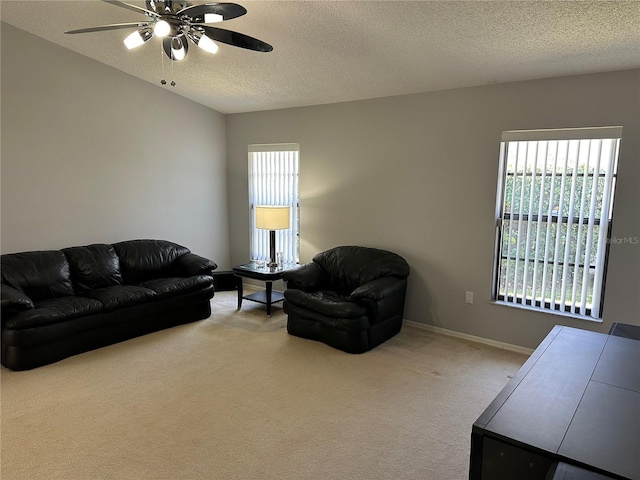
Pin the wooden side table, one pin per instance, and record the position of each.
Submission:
(266, 274)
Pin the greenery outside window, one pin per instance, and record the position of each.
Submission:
(553, 219)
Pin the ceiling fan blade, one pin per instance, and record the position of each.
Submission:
(135, 8)
(236, 39)
(114, 26)
(227, 10)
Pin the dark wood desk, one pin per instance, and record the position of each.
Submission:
(266, 274)
(576, 401)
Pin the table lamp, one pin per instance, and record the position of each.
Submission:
(272, 218)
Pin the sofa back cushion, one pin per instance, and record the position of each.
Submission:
(349, 267)
(93, 266)
(39, 275)
(142, 260)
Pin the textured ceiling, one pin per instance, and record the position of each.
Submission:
(336, 51)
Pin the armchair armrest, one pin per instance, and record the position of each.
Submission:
(13, 300)
(308, 277)
(191, 264)
(380, 288)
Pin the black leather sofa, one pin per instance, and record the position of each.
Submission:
(349, 297)
(59, 303)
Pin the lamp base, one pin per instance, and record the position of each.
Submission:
(272, 249)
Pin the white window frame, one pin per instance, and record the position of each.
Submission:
(535, 223)
(274, 173)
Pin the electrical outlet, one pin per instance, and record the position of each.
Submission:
(468, 297)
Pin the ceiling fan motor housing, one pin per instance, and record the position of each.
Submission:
(166, 7)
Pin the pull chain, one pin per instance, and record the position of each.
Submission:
(173, 83)
(163, 81)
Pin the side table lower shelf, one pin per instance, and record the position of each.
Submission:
(261, 297)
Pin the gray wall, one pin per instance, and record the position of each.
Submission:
(417, 174)
(90, 154)
(93, 155)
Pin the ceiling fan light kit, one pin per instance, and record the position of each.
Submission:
(213, 18)
(177, 47)
(175, 21)
(162, 28)
(138, 37)
(203, 41)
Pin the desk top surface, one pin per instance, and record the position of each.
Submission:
(577, 398)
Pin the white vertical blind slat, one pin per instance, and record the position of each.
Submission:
(549, 212)
(579, 254)
(566, 270)
(508, 149)
(605, 217)
(559, 223)
(590, 229)
(536, 265)
(516, 288)
(525, 276)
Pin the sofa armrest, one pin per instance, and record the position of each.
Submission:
(13, 300)
(308, 277)
(191, 264)
(380, 288)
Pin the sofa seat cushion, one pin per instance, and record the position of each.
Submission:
(170, 287)
(119, 296)
(54, 310)
(326, 303)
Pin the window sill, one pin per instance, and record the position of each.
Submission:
(542, 310)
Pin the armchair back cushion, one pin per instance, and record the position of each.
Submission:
(350, 267)
(93, 266)
(142, 260)
(39, 275)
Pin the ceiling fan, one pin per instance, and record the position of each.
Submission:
(175, 21)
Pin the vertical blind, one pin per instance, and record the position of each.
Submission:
(553, 218)
(273, 180)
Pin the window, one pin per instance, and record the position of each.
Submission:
(273, 180)
(553, 218)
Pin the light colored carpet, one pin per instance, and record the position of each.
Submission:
(236, 397)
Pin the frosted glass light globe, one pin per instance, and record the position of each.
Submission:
(162, 28)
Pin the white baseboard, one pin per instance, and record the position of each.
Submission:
(443, 331)
(471, 338)
(251, 286)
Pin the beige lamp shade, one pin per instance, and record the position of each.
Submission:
(270, 217)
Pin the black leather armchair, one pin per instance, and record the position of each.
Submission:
(351, 298)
